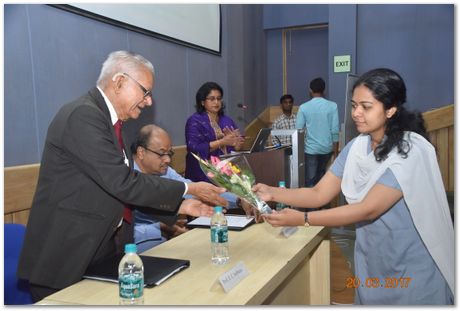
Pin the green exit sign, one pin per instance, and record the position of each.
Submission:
(342, 63)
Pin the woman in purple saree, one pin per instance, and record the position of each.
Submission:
(208, 132)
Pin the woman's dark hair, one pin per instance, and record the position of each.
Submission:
(203, 92)
(388, 87)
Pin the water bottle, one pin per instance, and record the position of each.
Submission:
(219, 237)
(131, 277)
(280, 206)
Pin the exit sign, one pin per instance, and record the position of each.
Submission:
(342, 63)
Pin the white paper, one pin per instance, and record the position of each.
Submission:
(238, 221)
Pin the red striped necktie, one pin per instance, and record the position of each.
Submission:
(127, 214)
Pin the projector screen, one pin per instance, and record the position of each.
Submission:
(194, 25)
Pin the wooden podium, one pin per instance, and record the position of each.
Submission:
(270, 166)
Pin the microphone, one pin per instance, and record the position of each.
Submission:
(240, 105)
(279, 144)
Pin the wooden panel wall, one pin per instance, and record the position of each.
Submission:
(440, 126)
(178, 160)
(20, 184)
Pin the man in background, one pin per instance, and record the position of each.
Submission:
(152, 154)
(285, 121)
(320, 118)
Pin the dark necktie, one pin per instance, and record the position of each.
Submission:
(127, 214)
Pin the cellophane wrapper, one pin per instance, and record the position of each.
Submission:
(235, 175)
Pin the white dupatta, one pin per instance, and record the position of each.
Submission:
(423, 192)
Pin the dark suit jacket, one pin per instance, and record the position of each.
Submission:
(82, 187)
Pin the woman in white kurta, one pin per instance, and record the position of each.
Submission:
(404, 250)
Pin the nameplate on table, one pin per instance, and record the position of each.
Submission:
(232, 277)
(288, 231)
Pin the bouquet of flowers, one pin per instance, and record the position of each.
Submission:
(233, 174)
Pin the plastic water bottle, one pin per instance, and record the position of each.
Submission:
(280, 206)
(131, 277)
(219, 237)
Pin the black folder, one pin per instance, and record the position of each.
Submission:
(156, 269)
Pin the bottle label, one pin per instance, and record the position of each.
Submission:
(131, 285)
(219, 235)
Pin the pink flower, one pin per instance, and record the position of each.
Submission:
(210, 175)
(223, 166)
(215, 160)
(226, 170)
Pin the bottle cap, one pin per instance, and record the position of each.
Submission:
(282, 183)
(217, 209)
(130, 248)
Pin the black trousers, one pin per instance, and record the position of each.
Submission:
(123, 235)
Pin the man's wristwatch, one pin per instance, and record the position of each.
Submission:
(305, 218)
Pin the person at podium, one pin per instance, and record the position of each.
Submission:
(209, 132)
(285, 121)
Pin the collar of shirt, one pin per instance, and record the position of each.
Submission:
(113, 114)
(289, 117)
(135, 166)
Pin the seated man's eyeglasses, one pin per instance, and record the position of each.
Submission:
(169, 154)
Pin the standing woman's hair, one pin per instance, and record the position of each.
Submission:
(388, 87)
(203, 92)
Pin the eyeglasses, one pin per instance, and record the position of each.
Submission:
(211, 98)
(169, 154)
(143, 89)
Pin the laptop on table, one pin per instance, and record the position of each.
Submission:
(257, 146)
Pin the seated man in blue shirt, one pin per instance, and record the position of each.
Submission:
(152, 154)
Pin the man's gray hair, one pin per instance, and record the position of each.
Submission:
(119, 62)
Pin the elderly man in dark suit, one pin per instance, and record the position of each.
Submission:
(86, 186)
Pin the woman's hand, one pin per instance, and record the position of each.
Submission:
(232, 137)
(239, 144)
(251, 210)
(232, 140)
(285, 217)
(264, 192)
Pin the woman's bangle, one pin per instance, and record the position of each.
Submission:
(305, 218)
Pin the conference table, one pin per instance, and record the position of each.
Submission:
(293, 270)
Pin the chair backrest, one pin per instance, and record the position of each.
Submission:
(16, 291)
